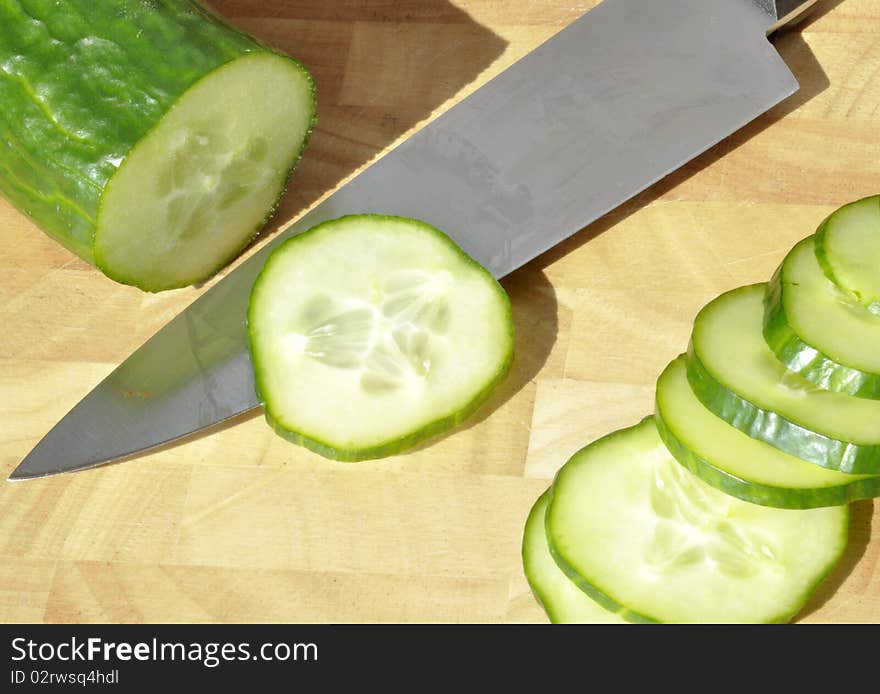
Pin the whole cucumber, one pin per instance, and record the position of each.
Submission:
(147, 136)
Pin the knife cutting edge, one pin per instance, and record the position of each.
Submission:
(611, 104)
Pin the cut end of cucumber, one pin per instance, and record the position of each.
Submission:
(200, 185)
(371, 333)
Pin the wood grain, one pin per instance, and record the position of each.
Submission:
(239, 525)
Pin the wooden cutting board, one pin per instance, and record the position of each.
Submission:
(239, 525)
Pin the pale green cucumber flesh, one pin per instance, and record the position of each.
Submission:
(370, 333)
(629, 521)
(561, 599)
(736, 375)
(740, 465)
(848, 250)
(820, 332)
(200, 185)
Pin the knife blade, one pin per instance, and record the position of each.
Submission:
(611, 104)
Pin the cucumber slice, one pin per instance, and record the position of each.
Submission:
(737, 376)
(737, 464)
(629, 521)
(848, 250)
(149, 138)
(371, 333)
(561, 599)
(820, 332)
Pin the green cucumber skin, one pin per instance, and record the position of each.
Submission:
(822, 256)
(763, 494)
(584, 582)
(546, 601)
(82, 83)
(775, 429)
(393, 446)
(807, 361)
(388, 448)
(593, 593)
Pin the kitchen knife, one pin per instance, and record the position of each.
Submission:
(609, 105)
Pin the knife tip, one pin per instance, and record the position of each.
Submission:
(26, 470)
(19, 475)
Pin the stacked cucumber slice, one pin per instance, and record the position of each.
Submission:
(564, 601)
(729, 504)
